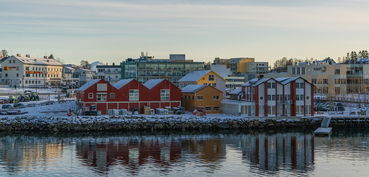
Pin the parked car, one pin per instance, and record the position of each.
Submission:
(18, 105)
(7, 106)
(90, 113)
(178, 110)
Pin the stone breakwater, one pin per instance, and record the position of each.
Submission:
(137, 123)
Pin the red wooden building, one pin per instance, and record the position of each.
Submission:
(128, 94)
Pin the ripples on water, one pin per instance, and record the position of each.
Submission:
(185, 154)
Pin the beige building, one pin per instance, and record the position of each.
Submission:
(330, 78)
(18, 71)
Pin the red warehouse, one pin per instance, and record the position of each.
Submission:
(129, 94)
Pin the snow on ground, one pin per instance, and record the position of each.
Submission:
(21, 90)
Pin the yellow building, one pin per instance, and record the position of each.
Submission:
(202, 96)
(204, 77)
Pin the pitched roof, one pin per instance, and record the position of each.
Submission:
(281, 80)
(192, 88)
(152, 83)
(88, 85)
(236, 91)
(194, 76)
(122, 83)
(37, 61)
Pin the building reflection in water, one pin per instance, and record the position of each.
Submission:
(269, 152)
(161, 152)
(272, 152)
(20, 153)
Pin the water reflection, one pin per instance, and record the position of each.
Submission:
(270, 152)
(161, 151)
(208, 153)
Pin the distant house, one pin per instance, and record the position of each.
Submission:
(129, 94)
(273, 97)
(204, 77)
(202, 96)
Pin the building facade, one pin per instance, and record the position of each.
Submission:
(70, 78)
(127, 94)
(202, 96)
(333, 79)
(18, 71)
(110, 73)
(203, 77)
(269, 97)
(146, 68)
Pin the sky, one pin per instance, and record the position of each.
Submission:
(113, 30)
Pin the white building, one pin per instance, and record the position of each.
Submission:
(269, 97)
(18, 71)
(70, 77)
(110, 73)
(85, 75)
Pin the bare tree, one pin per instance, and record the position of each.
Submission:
(4, 53)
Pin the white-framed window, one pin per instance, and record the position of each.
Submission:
(102, 87)
(211, 77)
(134, 95)
(101, 96)
(164, 94)
(90, 96)
(112, 95)
(216, 98)
(200, 97)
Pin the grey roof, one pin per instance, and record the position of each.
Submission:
(288, 80)
(281, 80)
(192, 88)
(36, 61)
(194, 76)
(88, 84)
(152, 83)
(236, 91)
(122, 83)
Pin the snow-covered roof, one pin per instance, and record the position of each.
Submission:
(192, 88)
(221, 70)
(250, 82)
(152, 83)
(260, 81)
(288, 80)
(88, 84)
(122, 83)
(236, 91)
(281, 80)
(194, 76)
(37, 61)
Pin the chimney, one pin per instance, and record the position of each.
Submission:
(18, 55)
(28, 55)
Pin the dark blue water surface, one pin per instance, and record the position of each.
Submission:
(224, 154)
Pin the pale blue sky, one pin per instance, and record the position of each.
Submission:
(112, 30)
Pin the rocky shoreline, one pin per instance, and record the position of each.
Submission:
(147, 123)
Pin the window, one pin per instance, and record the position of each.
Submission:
(271, 85)
(134, 95)
(164, 94)
(199, 97)
(101, 97)
(90, 95)
(208, 108)
(211, 77)
(102, 87)
(112, 95)
(216, 108)
(216, 98)
(299, 85)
